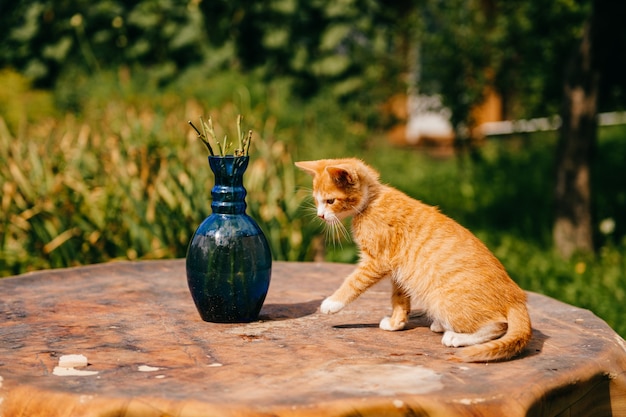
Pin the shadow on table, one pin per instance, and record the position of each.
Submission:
(275, 312)
(417, 318)
(535, 346)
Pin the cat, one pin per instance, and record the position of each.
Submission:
(430, 258)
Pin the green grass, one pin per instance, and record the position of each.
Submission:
(122, 176)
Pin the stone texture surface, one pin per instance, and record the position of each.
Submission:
(150, 354)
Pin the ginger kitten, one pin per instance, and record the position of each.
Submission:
(429, 257)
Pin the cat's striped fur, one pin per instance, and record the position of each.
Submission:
(429, 258)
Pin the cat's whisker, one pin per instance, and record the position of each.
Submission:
(338, 236)
(309, 209)
(357, 210)
(329, 232)
(343, 230)
(338, 232)
(311, 213)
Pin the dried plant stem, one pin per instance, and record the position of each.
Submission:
(223, 146)
(239, 136)
(202, 137)
(248, 141)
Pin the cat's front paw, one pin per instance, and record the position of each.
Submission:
(330, 306)
(387, 324)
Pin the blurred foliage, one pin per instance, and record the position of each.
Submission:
(348, 44)
(345, 47)
(455, 48)
(18, 101)
(125, 179)
(47, 37)
(518, 48)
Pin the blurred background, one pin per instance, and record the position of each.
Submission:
(508, 115)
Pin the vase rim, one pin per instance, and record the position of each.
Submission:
(227, 157)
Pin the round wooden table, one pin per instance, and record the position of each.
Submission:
(148, 353)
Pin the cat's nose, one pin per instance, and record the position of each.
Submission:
(321, 215)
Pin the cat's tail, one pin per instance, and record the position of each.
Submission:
(517, 336)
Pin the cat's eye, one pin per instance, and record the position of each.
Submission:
(330, 201)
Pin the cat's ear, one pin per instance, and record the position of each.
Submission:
(310, 167)
(343, 175)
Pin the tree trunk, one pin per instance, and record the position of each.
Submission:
(573, 230)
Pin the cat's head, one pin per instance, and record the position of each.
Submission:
(341, 187)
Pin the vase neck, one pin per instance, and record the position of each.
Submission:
(229, 194)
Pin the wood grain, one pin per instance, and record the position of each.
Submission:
(154, 356)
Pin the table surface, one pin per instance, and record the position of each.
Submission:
(150, 354)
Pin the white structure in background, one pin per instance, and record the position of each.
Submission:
(427, 118)
(507, 127)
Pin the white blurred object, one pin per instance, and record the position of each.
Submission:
(427, 118)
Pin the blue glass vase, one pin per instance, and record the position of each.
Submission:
(229, 262)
